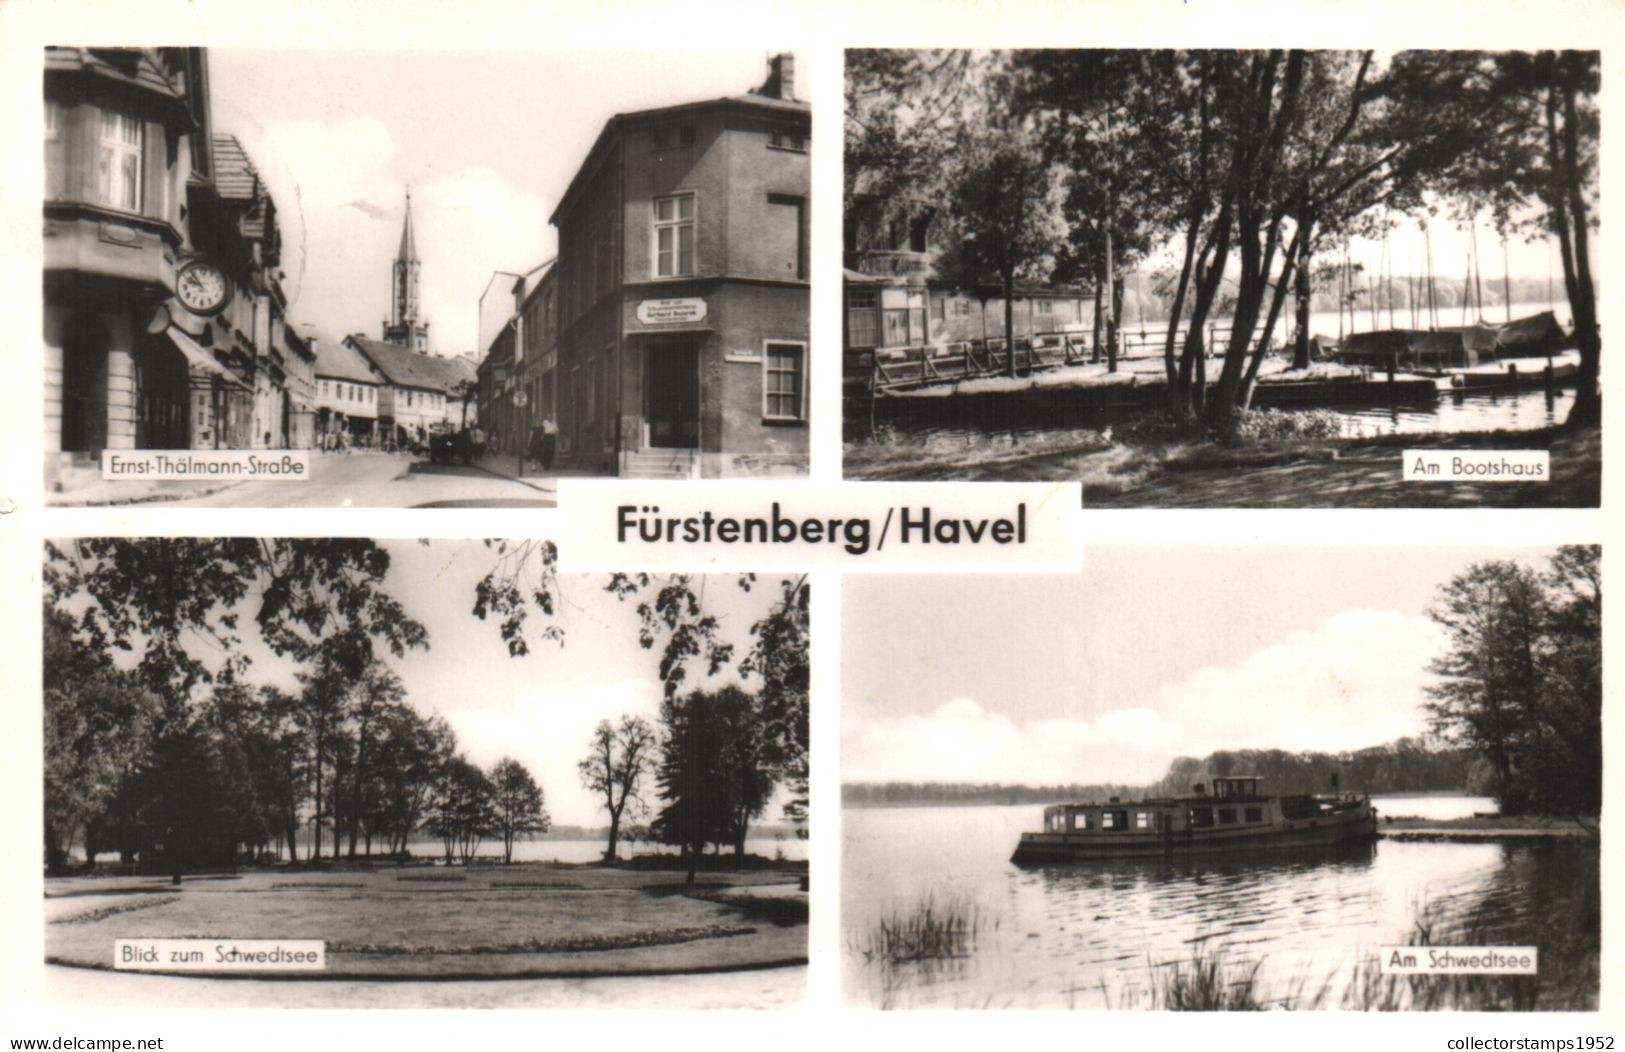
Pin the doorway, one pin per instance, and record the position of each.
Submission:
(671, 383)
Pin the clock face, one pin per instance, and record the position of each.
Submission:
(202, 287)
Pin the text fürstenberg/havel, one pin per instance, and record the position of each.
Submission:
(635, 523)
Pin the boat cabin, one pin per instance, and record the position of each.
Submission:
(1232, 802)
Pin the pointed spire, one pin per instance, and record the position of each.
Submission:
(409, 248)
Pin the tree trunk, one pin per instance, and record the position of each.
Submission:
(1305, 292)
(1009, 276)
(1114, 324)
(1576, 252)
(614, 835)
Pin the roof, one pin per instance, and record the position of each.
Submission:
(404, 367)
(341, 361)
(134, 66)
(234, 176)
(788, 107)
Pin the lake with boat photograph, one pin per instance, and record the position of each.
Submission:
(1298, 926)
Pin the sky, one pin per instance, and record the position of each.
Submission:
(1149, 654)
(487, 142)
(539, 709)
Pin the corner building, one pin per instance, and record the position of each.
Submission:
(683, 289)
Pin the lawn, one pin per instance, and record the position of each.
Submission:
(500, 921)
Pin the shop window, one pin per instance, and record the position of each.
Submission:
(674, 236)
(783, 376)
(119, 163)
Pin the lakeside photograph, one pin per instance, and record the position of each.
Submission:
(1222, 778)
(475, 781)
(1223, 278)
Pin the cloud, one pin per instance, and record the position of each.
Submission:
(963, 742)
(1355, 680)
(341, 206)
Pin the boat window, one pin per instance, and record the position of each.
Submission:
(1227, 816)
(1201, 817)
(1114, 819)
(1142, 820)
(1080, 820)
(1255, 814)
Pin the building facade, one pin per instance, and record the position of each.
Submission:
(682, 291)
(348, 391)
(164, 316)
(418, 395)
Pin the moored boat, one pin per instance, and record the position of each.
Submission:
(1234, 817)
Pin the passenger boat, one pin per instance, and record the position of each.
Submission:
(1233, 817)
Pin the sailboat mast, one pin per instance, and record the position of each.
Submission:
(1506, 278)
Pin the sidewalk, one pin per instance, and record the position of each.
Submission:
(506, 466)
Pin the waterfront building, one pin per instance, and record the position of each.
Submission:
(682, 291)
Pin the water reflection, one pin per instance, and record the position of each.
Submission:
(1102, 934)
(1459, 411)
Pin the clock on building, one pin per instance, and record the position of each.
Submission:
(202, 287)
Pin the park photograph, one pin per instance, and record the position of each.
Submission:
(1226, 778)
(1224, 278)
(477, 782)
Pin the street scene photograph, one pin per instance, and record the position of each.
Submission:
(1216, 279)
(432, 278)
(460, 778)
(1226, 778)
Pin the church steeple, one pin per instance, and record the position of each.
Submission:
(404, 327)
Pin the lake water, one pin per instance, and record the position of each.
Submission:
(786, 846)
(1099, 935)
(1525, 410)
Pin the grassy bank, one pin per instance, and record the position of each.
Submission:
(1283, 464)
(508, 921)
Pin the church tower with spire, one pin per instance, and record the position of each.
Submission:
(405, 327)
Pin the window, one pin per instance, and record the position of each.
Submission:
(862, 321)
(1142, 820)
(939, 309)
(674, 136)
(786, 237)
(1114, 820)
(903, 317)
(782, 373)
(119, 167)
(674, 236)
(53, 118)
(782, 139)
(1255, 814)
(1227, 816)
(1201, 817)
(1080, 820)
(1044, 308)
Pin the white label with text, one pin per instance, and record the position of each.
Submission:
(700, 525)
(220, 955)
(1477, 465)
(206, 465)
(1459, 960)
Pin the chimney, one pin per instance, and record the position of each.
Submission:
(781, 77)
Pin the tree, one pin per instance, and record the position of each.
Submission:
(99, 724)
(779, 656)
(413, 753)
(712, 775)
(1520, 681)
(516, 804)
(1532, 161)
(463, 810)
(618, 757)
